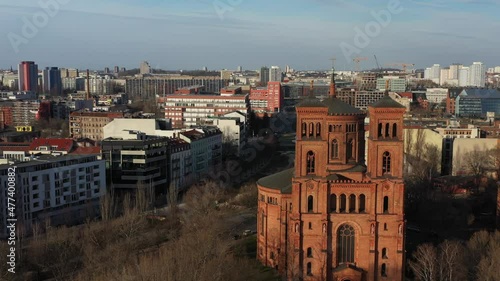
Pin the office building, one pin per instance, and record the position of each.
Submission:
(264, 75)
(52, 83)
(267, 99)
(140, 162)
(28, 76)
(275, 74)
(160, 86)
(396, 84)
(477, 102)
(196, 109)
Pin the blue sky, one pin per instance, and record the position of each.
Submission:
(190, 34)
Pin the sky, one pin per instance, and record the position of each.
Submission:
(224, 34)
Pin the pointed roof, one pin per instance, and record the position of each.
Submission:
(386, 102)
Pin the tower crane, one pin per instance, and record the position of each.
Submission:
(357, 60)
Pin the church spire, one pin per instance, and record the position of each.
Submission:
(333, 94)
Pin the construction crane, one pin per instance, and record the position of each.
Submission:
(404, 65)
(357, 60)
(376, 61)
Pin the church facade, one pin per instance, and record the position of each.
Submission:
(336, 215)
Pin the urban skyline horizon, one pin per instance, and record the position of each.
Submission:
(363, 67)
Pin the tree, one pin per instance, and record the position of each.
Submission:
(424, 263)
(451, 261)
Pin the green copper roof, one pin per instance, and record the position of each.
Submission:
(336, 106)
(387, 102)
(281, 181)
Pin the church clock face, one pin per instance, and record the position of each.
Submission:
(310, 185)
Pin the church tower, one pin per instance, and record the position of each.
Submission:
(332, 217)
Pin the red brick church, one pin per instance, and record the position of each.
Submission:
(336, 215)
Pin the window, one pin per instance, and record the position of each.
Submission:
(310, 162)
(309, 252)
(386, 162)
(311, 129)
(387, 130)
(352, 203)
(262, 223)
(318, 129)
(343, 200)
(383, 270)
(309, 269)
(394, 130)
(384, 253)
(304, 129)
(310, 226)
(386, 204)
(310, 203)
(380, 129)
(345, 250)
(385, 227)
(330, 128)
(334, 154)
(333, 203)
(350, 148)
(362, 202)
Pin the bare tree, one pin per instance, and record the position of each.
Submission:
(451, 261)
(424, 263)
(106, 207)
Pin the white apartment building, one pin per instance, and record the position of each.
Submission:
(64, 190)
(233, 131)
(477, 76)
(206, 149)
(463, 77)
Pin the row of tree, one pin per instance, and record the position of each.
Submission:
(476, 259)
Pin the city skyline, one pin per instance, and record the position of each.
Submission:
(302, 34)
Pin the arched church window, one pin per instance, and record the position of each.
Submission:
(386, 162)
(343, 200)
(352, 203)
(387, 130)
(362, 203)
(304, 129)
(394, 130)
(383, 270)
(380, 129)
(309, 252)
(335, 149)
(310, 162)
(346, 240)
(318, 129)
(386, 204)
(311, 130)
(333, 203)
(310, 204)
